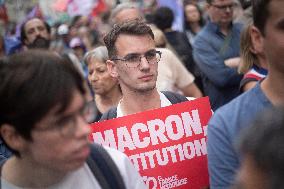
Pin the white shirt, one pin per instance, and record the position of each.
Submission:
(84, 178)
(164, 102)
(172, 74)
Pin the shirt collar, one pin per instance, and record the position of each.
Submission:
(163, 99)
(215, 27)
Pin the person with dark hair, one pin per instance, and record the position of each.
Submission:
(163, 19)
(44, 116)
(216, 51)
(245, 3)
(5, 152)
(225, 125)
(133, 60)
(193, 21)
(35, 34)
(170, 69)
(77, 22)
(262, 149)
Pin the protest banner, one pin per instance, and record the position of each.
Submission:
(166, 145)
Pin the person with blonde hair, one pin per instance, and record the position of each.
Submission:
(253, 64)
(193, 21)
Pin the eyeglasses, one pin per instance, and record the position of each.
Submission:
(133, 60)
(225, 7)
(67, 125)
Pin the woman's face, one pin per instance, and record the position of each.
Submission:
(191, 13)
(101, 81)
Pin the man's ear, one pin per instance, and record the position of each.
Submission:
(112, 68)
(12, 137)
(257, 40)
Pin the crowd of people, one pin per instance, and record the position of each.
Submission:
(63, 77)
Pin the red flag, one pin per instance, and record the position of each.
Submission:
(101, 7)
(3, 13)
(60, 5)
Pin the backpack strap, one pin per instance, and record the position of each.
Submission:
(174, 98)
(104, 168)
(112, 113)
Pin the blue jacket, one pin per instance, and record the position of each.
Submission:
(210, 49)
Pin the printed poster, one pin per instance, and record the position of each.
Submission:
(166, 145)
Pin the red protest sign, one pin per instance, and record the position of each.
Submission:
(166, 145)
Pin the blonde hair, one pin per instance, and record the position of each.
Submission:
(160, 38)
(248, 57)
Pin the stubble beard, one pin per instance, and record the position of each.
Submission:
(145, 90)
(141, 89)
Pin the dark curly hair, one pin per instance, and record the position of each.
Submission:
(131, 27)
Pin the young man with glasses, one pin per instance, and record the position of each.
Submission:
(44, 117)
(134, 61)
(216, 52)
(169, 73)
